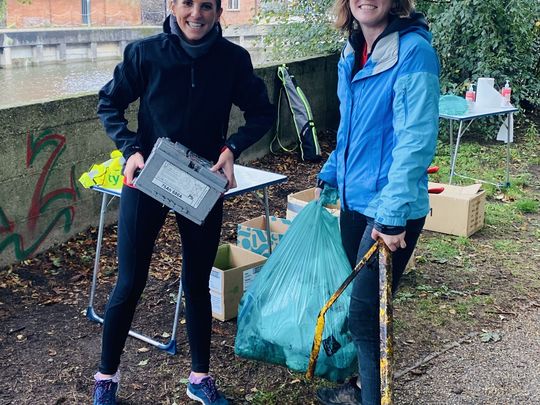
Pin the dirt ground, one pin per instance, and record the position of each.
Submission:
(49, 350)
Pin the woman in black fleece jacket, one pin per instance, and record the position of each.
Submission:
(186, 80)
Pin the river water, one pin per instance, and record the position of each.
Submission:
(27, 85)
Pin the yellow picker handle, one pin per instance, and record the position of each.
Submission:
(386, 324)
(320, 319)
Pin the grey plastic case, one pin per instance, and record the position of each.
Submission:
(180, 179)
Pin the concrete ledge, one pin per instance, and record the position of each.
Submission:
(42, 46)
(22, 47)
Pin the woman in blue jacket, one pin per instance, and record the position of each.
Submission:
(186, 80)
(388, 89)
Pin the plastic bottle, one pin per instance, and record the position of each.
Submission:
(506, 92)
(470, 95)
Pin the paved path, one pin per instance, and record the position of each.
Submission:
(504, 372)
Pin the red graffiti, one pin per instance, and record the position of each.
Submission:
(41, 199)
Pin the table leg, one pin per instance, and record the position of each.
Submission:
(91, 314)
(451, 131)
(267, 213)
(454, 157)
(104, 200)
(509, 136)
(177, 313)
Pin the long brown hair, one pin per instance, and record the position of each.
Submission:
(346, 22)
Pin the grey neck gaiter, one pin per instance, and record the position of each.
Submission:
(195, 50)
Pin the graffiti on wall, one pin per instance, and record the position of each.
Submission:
(26, 237)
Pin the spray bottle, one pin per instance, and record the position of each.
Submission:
(470, 95)
(506, 92)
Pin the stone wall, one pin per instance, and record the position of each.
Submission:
(46, 147)
(153, 11)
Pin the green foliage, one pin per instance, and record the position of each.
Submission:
(527, 206)
(300, 28)
(501, 215)
(489, 38)
(2, 13)
(474, 38)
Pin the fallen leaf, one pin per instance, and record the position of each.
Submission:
(490, 336)
(143, 362)
(143, 350)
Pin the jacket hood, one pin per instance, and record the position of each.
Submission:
(415, 22)
(167, 25)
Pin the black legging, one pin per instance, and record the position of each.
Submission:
(140, 219)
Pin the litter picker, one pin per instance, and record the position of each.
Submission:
(385, 319)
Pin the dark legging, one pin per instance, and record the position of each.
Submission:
(364, 310)
(140, 219)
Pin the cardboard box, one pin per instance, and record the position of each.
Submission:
(251, 235)
(297, 201)
(458, 210)
(234, 269)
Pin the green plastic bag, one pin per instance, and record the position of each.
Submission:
(452, 105)
(278, 312)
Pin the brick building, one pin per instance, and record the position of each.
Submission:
(235, 12)
(74, 13)
(239, 12)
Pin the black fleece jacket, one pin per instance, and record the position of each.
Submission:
(187, 100)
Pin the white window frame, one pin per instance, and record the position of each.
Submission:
(233, 5)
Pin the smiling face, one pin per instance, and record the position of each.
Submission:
(371, 14)
(196, 17)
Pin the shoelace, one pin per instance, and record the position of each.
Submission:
(104, 391)
(209, 388)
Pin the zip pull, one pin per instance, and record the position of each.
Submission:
(192, 76)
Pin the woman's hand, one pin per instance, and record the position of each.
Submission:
(394, 242)
(226, 163)
(318, 192)
(134, 163)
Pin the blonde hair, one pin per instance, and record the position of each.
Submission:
(346, 22)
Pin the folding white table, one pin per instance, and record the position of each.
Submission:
(247, 178)
(465, 120)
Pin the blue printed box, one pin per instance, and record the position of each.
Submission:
(252, 234)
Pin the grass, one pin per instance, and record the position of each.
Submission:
(264, 397)
(527, 206)
(500, 214)
(507, 246)
(442, 248)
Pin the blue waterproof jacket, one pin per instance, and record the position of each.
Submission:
(389, 123)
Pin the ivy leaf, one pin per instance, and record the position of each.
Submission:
(490, 337)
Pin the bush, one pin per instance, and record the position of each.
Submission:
(474, 38)
(489, 38)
